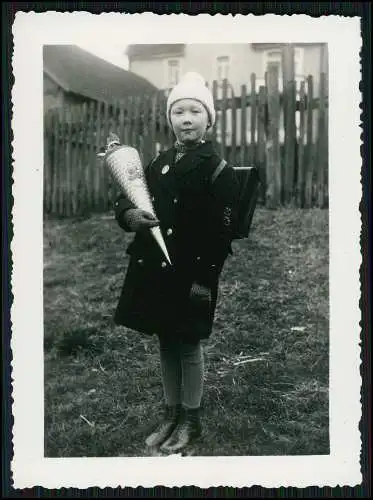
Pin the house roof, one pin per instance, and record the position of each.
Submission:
(146, 51)
(268, 46)
(83, 73)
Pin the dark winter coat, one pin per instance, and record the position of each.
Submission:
(197, 220)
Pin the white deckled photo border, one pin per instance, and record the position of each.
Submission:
(342, 467)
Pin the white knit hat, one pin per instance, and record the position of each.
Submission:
(192, 86)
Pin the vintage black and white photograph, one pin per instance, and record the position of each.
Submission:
(186, 226)
(247, 371)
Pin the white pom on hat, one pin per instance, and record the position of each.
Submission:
(192, 86)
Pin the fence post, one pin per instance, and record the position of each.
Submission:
(301, 164)
(160, 124)
(153, 124)
(48, 137)
(243, 152)
(253, 111)
(127, 121)
(322, 156)
(223, 119)
(80, 193)
(215, 97)
(121, 119)
(92, 157)
(310, 151)
(55, 163)
(290, 138)
(98, 162)
(143, 131)
(273, 145)
(262, 139)
(68, 162)
(87, 127)
(74, 158)
(136, 121)
(112, 190)
(61, 162)
(234, 128)
(104, 171)
(169, 132)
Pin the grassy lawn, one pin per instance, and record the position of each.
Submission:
(266, 390)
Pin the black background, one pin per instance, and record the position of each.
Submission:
(315, 9)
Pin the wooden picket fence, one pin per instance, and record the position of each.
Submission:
(284, 133)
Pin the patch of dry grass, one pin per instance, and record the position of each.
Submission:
(266, 390)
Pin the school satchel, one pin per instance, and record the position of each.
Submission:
(249, 182)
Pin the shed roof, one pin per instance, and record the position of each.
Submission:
(83, 73)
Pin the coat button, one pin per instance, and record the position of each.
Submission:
(169, 232)
(175, 200)
(198, 258)
(164, 264)
(165, 169)
(140, 261)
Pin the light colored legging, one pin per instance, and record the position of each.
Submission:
(182, 368)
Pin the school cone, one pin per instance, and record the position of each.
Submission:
(125, 166)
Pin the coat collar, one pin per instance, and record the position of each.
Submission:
(189, 162)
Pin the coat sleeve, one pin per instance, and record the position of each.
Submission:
(122, 204)
(220, 226)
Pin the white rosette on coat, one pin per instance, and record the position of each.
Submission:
(125, 166)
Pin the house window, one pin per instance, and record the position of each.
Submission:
(299, 62)
(222, 68)
(173, 72)
(273, 58)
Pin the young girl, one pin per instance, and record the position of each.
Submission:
(197, 218)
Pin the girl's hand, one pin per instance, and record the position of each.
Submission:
(139, 220)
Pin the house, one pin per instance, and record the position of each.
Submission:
(164, 64)
(72, 75)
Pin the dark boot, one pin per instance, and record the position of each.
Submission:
(165, 428)
(186, 431)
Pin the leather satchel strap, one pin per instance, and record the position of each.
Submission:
(217, 171)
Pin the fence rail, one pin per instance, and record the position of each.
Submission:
(285, 134)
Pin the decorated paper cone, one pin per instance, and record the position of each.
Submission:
(156, 232)
(125, 166)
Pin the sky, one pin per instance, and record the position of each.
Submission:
(113, 53)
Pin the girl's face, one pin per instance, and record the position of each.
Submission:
(189, 120)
